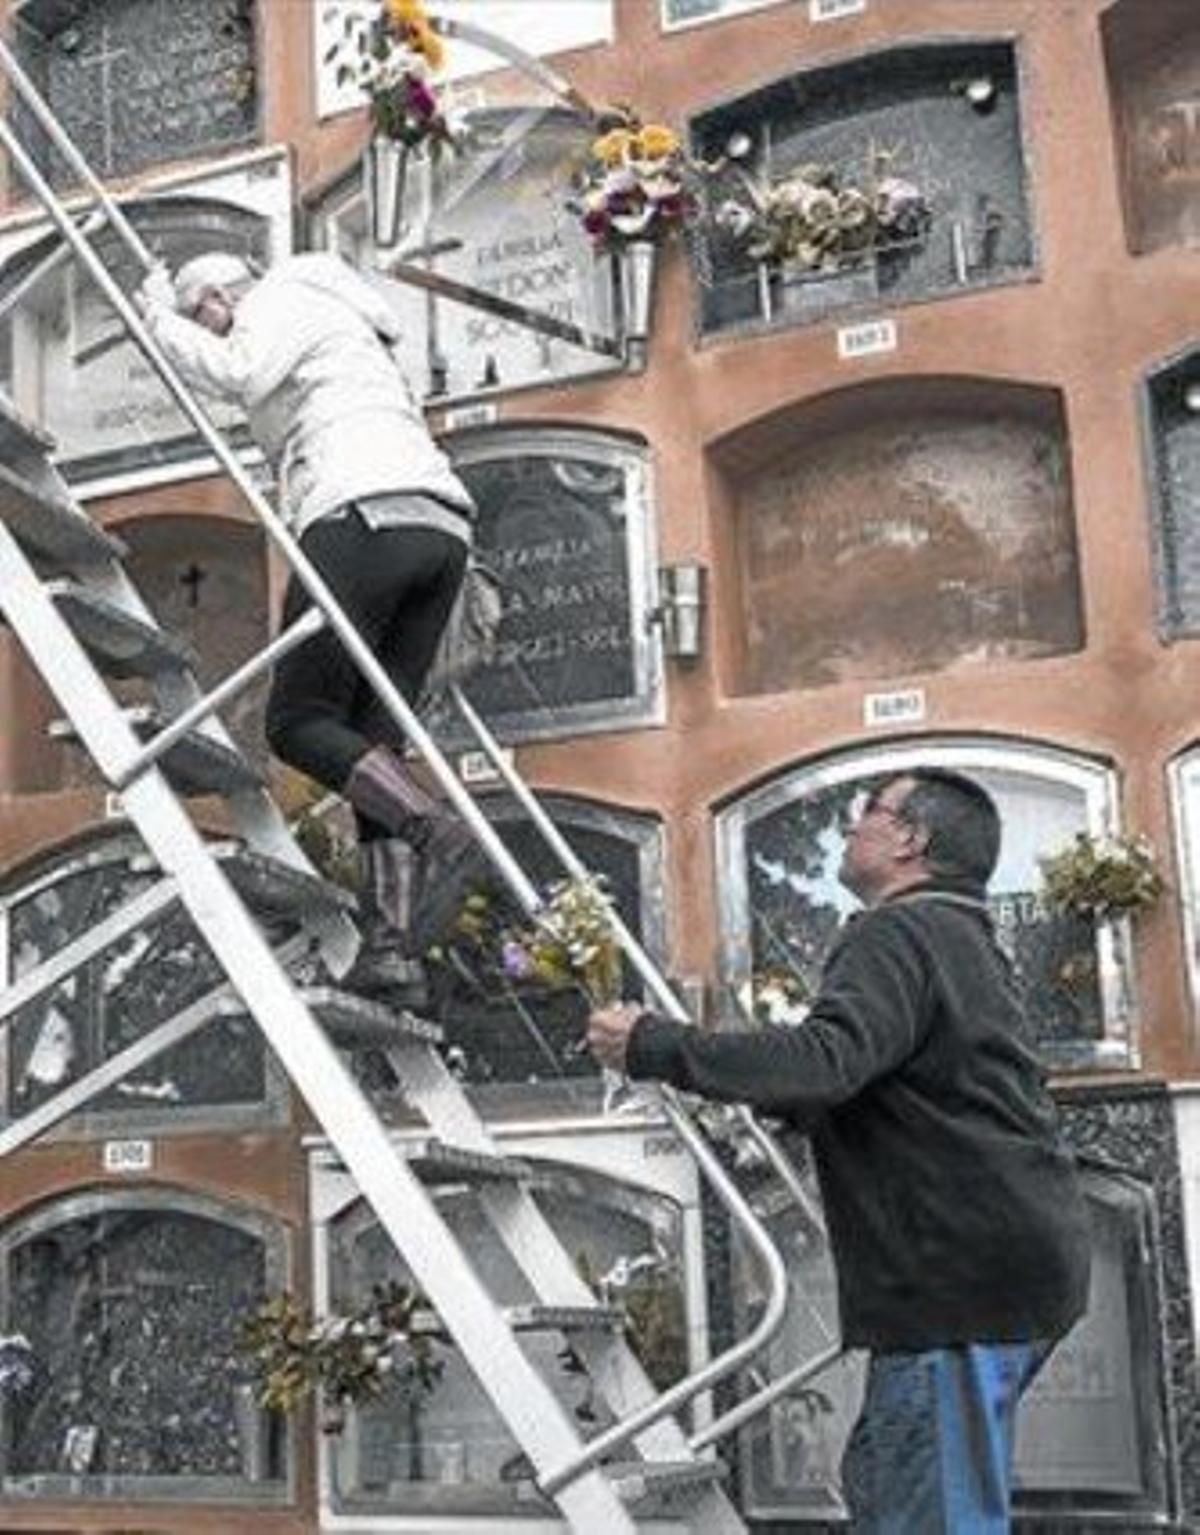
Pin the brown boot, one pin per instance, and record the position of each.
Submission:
(384, 966)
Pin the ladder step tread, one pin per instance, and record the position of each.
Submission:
(637, 1479)
(196, 764)
(270, 886)
(436, 1161)
(19, 434)
(125, 644)
(48, 523)
(538, 1318)
(352, 1020)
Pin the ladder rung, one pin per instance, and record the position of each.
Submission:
(196, 764)
(122, 643)
(352, 1021)
(46, 523)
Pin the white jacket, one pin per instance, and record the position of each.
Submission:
(309, 359)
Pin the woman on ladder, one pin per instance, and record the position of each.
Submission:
(308, 350)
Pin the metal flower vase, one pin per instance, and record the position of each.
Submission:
(637, 259)
(385, 168)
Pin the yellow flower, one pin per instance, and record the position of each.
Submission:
(425, 41)
(614, 147)
(655, 141)
(408, 12)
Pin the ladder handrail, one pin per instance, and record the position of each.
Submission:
(369, 667)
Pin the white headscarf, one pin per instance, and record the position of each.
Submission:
(215, 269)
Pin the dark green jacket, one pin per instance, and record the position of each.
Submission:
(954, 1213)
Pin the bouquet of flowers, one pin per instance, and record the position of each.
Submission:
(392, 58)
(1097, 878)
(350, 1358)
(635, 184)
(821, 221)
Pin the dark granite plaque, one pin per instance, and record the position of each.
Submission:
(140, 82)
(911, 103)
(116, 998)
(502, 1033)
(131, 1315)
(555, 529)
(1174, 435)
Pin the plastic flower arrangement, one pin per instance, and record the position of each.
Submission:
(1098, 878)
(16, 1364)
(350, 1358)
(635, 184)
(392, 58)
(568, 943)
(820, 221)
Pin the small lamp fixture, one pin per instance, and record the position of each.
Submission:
(980, 92)
(1191, 397)
(682, 598)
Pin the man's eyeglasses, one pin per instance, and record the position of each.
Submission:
(867, 803)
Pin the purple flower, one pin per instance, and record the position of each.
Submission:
(595, 222)
(516, 961)
(421, 99)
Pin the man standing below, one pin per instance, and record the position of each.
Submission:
(309, 351)
(957, 1225)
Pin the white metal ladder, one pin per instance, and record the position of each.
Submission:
(79, 618)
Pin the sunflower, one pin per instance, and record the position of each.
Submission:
(615, 147)
(655, 142)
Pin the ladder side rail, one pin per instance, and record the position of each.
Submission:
(389, 695)
(681, 1121)
(163, 1036)
(752, 1406)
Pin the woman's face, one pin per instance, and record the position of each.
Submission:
(214, 310)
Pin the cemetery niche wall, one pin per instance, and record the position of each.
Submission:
(945, 117)
(903, 526)
(130, 1300)
(565, 519)
(137, 83)
(218, 1076)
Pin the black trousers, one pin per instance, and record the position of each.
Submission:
(397, 586)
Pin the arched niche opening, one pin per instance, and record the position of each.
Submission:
(130, 1300)
(779, 849)
(905, 526)
(1152, 58)
(214, 1070)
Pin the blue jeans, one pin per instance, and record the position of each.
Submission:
(932, 1451)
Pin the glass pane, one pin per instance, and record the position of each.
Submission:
(447, 1449)
(796, 903)
(115, 998)
(131, 1316)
